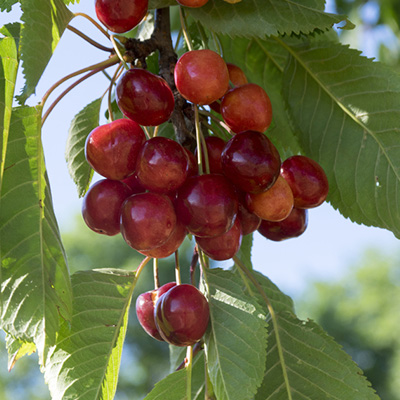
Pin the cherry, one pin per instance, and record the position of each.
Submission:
(292, 226)
(193, 169)
(120, 16)
(101, 207)
(207, 205)
(182, 315)
(225, 246)
(133, 183)
(247, 107)
(251, 161)
(192, 3)
(249, 222)
(275, 204)
(145, 304)
(307, 180)
(144, 97)
(112, 149)
(215, 146)
(147, 220)
(201, 76)
(162, 165)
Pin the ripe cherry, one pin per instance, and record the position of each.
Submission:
(145, 304)
(201, 76)
(249, 222)
(307, 180)
(247, 107)
(215, 146)
(112, 149)
(162, 165)
(133, 183)
(292, 226)
(144, 97)
(101, 207)
(192, 3)
(120, 16)
(147, 220)
(251, 161)
(182, 315)
(207, 205)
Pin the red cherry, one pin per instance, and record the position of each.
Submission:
(147, 220)
(307, 180)
(144, 97)
(249, 222)
(225, 246)
(112, 149)
(193, 169)
(215, 146)
(275, 204)
(120, 16)
(293, 226)
(145, 304)
(182, 315)
(133, 183)
(162, 165)
(251, 161)
(201, 76)
(207, 205)
(192, 3)
(247, 107)
(101, 207)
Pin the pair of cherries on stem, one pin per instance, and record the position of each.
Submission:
(176, 314)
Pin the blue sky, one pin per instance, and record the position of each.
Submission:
(327, 248)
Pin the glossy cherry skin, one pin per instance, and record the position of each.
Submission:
(147, 220)
(307, 180)
(162, 165)
(247, 107)
(112, 149)
(275, 204)
(222, 247)
(182, 315)
(215, 146)
(292, 226)
(192, 3)
(101, 206)
(121, 16)
(201, 76)
(145, 304)
(144, 97)
(207, 205)
(251, 161)
(133, 183)
(249, 222)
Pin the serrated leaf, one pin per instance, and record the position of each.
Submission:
(82, 124)
(266, 17)
(44, 23)
(35, 285)
(85, 361)
(313, 366)
(6, 5)
(235, 343)
(347, 109)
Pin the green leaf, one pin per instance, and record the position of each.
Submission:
(347, 109)
(5, 5)
(44, 23)
(314, 366)
(263, 62)
(85, 362)
(244, 253)
(35, 288)
(262, 18)
(82, 124)
(17, 349)
(153, 4)
(235, 343)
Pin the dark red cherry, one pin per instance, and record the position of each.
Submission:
(307, 180)
(193, 166)
(144, 97)
(162, 165)
(133, 183)
(207, 205)
(101, 207)
(251, 161)
(120, 16)
(292, 226)
(147, 220)
(249, 222)
(145, 304)
(222, 247)
(112, 149)
(182, 315)
(215, 146)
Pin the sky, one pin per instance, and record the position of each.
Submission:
(330, 245)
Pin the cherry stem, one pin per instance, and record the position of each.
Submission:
(89, 40)
(189, 364)
(177, 269)
(146, 131)
(217, 120)
(118, 51)
(112, 83)
(196, 349)
(155, 273)
(185, 32)
(94, 22)
(200, 144)
(139, 269)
